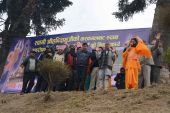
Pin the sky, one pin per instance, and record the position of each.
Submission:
(93, 15)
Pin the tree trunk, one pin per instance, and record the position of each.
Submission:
(4, 50)
(161, 22)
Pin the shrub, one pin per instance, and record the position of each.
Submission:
(53, 72)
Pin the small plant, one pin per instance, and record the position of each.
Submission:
(167, 56)
(53, 72)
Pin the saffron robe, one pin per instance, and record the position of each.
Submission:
(132, 65)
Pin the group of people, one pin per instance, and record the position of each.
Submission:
(138, 59)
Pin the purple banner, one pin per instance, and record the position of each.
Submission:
(11, 80)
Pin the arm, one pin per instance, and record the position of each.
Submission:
(156, 45)
(116, 78)
(25, 62)
(139, 39)
(160, 51)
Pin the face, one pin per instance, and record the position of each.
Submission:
(60, 51)
(122, 70)
(32, 54)
(48, 50)
(153, 42)
(100, 49)
(85, 47)
(107, 46)
(132, 43)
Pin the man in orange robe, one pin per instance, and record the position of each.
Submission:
(131, 62)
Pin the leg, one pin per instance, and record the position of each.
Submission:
(131, 78)
(106, 83)
(83, 79)
(25, 82)
(147, 73)
(38, 85)
(157, 73)
(44, 85)
(78, 77)
(152, 74)
(31, 82)
(93, 78)
(107, 73)
(75, 77)
(101, 79)
(141, 77)
(97, 79)
(135, 79)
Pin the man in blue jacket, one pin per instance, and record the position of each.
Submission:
(83, 58)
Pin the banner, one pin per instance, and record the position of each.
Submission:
(11, 80)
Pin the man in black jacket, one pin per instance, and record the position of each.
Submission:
(95, 56)
(30, 68)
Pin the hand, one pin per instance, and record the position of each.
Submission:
(158, 36)
(65, 43)
(22, 66)
(50, 54)
(114, 50)
(138, 38)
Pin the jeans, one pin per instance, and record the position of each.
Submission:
(81, 75)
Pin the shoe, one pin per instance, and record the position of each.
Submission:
(21, 93)
(105, 92)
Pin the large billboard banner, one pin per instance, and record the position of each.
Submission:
(11, 79)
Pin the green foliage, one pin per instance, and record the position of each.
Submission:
(36, 15)
(167, 56)
(128, 9)
(27, 16)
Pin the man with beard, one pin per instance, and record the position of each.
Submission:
(131, 61)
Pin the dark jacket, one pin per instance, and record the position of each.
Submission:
(26, 64)
(106, 59)
(120, 81)
(95, 60)
(83, 58)
(157, 54)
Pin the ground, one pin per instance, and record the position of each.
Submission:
(155, 99)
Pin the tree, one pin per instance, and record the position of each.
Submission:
(161, 22)
(23, 16)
